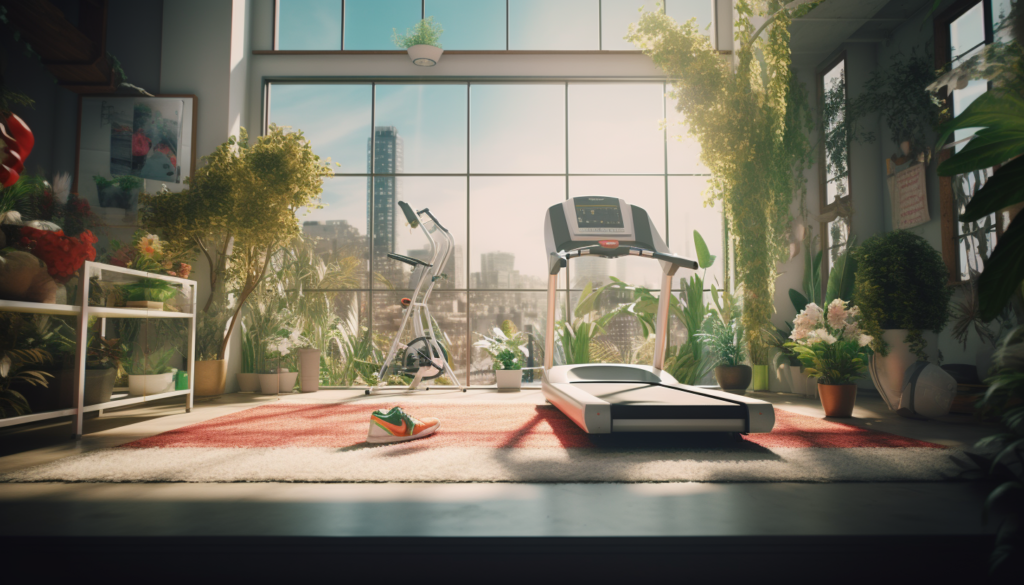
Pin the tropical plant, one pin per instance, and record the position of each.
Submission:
(725, 340)
(751, 118)
(240, 205)
(812, 292)
(425, 32)
(507, 348)
(150, 289)
(777, 339)
(577, 336)
(143, 364)
(901, 284)
(831, 345)
(13, 364)
(264, 324)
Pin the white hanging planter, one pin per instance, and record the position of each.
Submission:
(425, 55)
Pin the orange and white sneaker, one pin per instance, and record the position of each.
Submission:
(395, 426)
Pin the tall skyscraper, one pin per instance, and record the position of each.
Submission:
(384, 155)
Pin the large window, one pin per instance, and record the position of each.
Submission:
(478, 25)
(836, 200)
(488, 159)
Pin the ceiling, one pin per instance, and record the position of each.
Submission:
(834, 22)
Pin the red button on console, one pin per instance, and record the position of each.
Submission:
(609, 243)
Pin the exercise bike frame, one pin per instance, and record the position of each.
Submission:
(424, 275)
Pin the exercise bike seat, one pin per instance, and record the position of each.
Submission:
(408, 260)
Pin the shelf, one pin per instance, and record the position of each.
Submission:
(36, 416)
(126, 313)
(127, 399)
(38, 308)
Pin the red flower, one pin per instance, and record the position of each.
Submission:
(140, 143)
(62, 254)
(14, 149)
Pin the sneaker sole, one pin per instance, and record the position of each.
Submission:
(394, 439)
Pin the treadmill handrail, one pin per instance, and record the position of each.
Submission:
(618, 252)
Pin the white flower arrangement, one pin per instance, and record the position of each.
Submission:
(830, 343)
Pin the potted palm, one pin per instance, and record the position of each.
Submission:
(901, 290)
(507, 349)
(423, 42)
(833, 348)
(725, 340)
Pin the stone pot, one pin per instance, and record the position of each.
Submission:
(425, 55)
(760, 381)
(838, 399)
(150, 384)
(509, 379)
(735, 379)
(210, 377)
(270, 383)
(248, 382)
(287, 381)
(309, 370)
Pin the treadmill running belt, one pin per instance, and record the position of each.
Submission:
(654, 401)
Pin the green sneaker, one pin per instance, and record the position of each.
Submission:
(395, 426)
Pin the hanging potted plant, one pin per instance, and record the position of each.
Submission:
(834, 350)
(507, 350)
(901, 290)
(423, 42)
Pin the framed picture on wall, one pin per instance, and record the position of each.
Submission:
(130, 144)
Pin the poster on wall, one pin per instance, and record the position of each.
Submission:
(128, 145)
(908, 191)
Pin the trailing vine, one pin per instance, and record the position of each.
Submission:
(752, 122)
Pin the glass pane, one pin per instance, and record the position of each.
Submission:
(370, 24)
(517, 128)
(976, 238)
(470, 24)
(339, 231)
(968, 31)
(703, 10)
(835, 241)
(647, 193)
(448, 308)
(836, 147)
(1000, 10)
(621, 341)
(686, 213)
(507, 235)
(527, 310)
(613, 128)
(446, 199)
(683, 150)
(616, 16)
(427, 127)
(964, 97)
(312, 25)
(542, 25)
(334, 117)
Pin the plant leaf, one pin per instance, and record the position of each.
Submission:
(1002, 190)
(1003, 272)
(704, 257)
(840, 279)
(988, 148)
(993, 109)
(799, 300)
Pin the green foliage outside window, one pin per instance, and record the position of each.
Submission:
(752, 121)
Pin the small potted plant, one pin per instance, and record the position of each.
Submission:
(507, 350)
(901, 290)
(279, 380)
(148, 293)
(151, 374)
(423, 42)
(833, 349)
(724, 337)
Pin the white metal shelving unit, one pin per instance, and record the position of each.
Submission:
(108, 273)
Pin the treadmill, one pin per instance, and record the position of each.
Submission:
(616, 398)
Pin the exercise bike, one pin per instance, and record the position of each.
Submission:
(423, 358)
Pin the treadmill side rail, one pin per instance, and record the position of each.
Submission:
(592, 414)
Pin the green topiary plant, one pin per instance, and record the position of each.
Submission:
(901, 284)
(426, 32)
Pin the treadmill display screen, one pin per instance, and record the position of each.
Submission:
(598, 212)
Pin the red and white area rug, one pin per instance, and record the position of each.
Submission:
(488, 442)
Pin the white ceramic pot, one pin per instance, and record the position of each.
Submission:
(425, 55)
(509, 379)
(150, 384)
(887, 371)
(248, 382)
(287, 381)
(309, 370)
(270, 383)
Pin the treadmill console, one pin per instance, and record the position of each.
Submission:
(599, 218)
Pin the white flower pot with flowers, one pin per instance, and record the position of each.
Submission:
(833, 349)
(280, 380)
(507, 349)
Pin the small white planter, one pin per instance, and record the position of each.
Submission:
(287, 381)
(150, 384)
(270, 383)
(248, 382)
(309, 370)
(509, 379)
(425, 55)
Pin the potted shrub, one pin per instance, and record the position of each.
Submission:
(725, 340)
(507, 350)
(148, 293)
(833, 349)
(423, 42)
(151, 374)
(233, 208)
(901, 291)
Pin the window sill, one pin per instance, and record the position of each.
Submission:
(455, 52)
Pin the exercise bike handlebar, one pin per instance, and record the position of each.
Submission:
(413, 216)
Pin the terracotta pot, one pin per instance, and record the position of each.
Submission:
(760, 382)
(210, 377)
(248, 382)
(838, 399)
(509, 379)
(735, 379)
